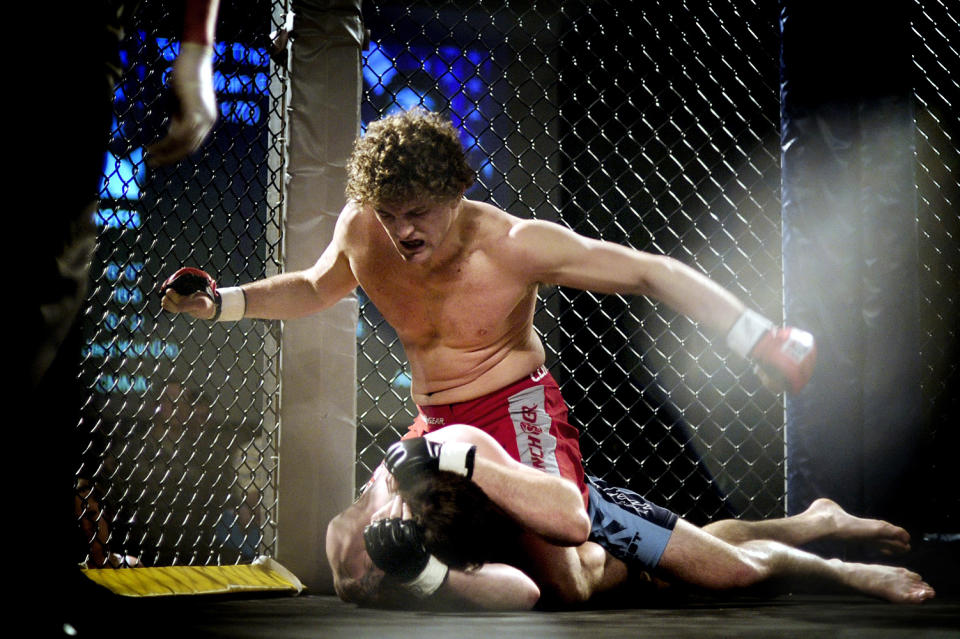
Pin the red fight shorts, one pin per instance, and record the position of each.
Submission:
(528, 418)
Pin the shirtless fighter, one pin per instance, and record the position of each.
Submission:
(534, 542)
(458, 281)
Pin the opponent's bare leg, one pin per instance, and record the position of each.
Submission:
(700, 559)
(824, 519)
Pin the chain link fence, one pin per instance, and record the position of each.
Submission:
(936, 58)
(655, 125)
(179, 432)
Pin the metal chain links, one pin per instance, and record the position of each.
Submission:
(179, 432)
(650, 124)
(936, 58)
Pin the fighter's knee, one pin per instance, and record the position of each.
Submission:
(757, 561)
(745, 574)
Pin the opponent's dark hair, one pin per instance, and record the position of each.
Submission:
(411, 156)
(462, 527)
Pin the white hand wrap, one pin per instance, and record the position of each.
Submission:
(429, 579)
(233, 304)
(747, 331)
(457, 457)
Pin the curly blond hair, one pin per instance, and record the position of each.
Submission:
(411, 156)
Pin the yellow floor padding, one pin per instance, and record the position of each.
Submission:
(264, 574)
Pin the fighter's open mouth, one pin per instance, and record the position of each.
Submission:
(411, 245)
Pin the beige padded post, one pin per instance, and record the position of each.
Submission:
(318, 404)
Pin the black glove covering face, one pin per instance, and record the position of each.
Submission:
(396, 547)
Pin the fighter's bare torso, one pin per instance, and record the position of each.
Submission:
(465, 315)
(458, 282)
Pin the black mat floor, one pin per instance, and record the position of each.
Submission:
(801, 616)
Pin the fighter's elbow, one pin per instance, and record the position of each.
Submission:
(654, 273)
(351, 591)
(528, 597)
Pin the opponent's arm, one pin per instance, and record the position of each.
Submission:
(490, 587)
(391, 568)
(414, 577)
(548, 505)
(557, 255)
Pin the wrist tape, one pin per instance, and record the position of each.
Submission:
(231, 305)
(747, 331)
(457, 457)
(429, 580)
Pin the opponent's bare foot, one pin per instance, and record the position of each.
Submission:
(886, 537)
(898, 585)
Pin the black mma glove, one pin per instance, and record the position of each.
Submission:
(188, 281)
(229, 303)
(409, 458)
(396, 547)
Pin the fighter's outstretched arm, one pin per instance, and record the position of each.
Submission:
(301, 293)
(557, 255)
(553, 254)
(283, 296)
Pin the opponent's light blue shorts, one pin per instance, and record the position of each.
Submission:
(628, 526)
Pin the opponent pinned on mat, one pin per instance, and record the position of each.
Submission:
(495, 534)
